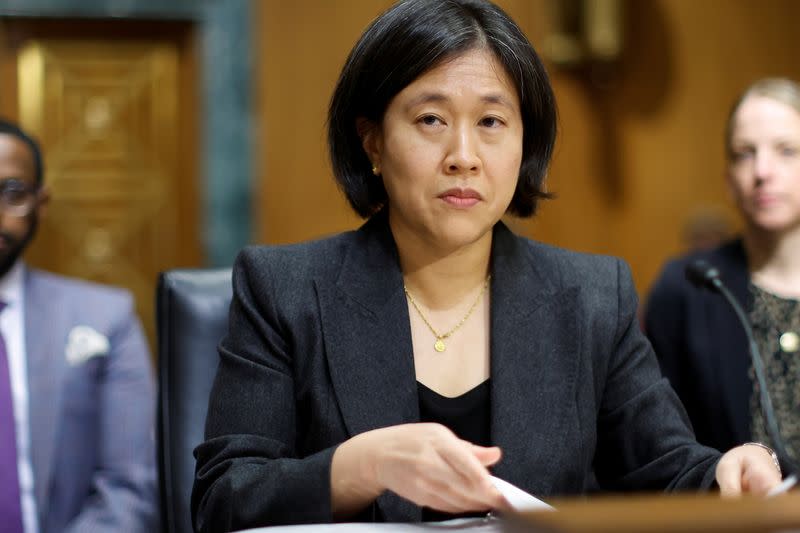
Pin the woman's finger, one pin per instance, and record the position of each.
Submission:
(729, 477)
(488, 456)
(476, 481)
(758, 478)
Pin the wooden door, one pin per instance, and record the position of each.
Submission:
(113, 104)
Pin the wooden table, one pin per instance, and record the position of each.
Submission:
(665, 513)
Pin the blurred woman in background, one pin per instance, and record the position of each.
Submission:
(700, 345)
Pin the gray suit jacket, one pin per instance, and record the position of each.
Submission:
(319, 350)
(91, 409)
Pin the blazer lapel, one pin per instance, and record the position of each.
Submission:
(46, 368)
(534, 342)
(368, 343)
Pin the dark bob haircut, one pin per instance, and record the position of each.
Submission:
(406, 41)
(9, 128)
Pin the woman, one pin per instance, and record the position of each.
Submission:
(699, 342)
(379, 374)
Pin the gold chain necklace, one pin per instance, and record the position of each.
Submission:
(439, 345)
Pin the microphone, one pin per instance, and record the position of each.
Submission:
(704, 275)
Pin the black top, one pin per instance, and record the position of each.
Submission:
(467, 416)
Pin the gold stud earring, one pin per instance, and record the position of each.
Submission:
(375, 170)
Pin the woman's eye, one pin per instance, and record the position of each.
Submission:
(788, 151)
(742, 154)
(491, 122)
(430, 120)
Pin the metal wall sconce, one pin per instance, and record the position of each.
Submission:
(584, 32)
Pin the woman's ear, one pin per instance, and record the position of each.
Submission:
(371, 141)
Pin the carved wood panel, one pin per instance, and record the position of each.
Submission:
(107, 115)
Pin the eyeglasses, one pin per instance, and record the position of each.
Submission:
(17, 198)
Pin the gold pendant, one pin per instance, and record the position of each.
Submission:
(439, 345)
(790, 342)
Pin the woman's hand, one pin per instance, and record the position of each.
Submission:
(424, 463)
(747, 468)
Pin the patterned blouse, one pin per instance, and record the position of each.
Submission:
(771, 317)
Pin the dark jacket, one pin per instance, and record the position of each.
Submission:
(702, 348)
(319, 350)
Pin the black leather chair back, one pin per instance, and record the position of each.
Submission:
(192, 317)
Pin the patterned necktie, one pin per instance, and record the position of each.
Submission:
(10, 510)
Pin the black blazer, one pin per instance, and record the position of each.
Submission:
(319, 350)
(702, 348)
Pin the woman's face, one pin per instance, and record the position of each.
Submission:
(764, 172)
(449, 151)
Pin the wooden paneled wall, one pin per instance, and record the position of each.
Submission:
(640, 145)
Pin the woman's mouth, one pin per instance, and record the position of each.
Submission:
(458, 197)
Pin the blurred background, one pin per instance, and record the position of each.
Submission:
(177, 131)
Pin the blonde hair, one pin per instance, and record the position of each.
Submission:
(783, 90)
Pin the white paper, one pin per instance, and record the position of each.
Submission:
(784, 486)
(518, 498)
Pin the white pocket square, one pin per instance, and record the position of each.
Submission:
(83, 343)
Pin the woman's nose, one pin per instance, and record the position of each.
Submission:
(764, 165)
(463, 152)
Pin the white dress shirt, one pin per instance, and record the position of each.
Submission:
(12, 326)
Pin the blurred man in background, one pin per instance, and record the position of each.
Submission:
(77, 398)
